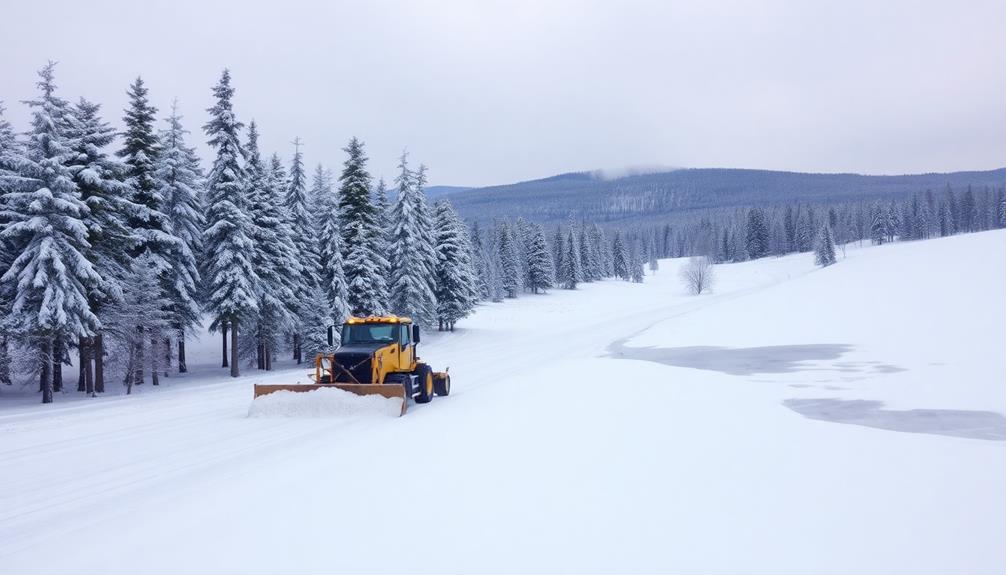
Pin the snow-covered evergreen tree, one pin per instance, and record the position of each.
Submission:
(427, 229)
(541, 274)
(456, 291)
(557, 245)
(362, 263)
(757, 234)
(384, 226)
(619, 258)
(51, 276)
(480, 263)
(410, 292)
(100, 180)
(878, 224)
(570, 272)
(588, 259)
(331, 274)
(824, 250)
(228, 270)
(12, 161)
(179, 180)
(635, 261)
(509, 266)
(300, 223)
(274, 258)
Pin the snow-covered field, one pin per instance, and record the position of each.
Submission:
(798, 420)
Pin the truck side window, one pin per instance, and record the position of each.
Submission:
(404, 338)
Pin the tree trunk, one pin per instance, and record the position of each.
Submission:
(45, 382)
(167, 355)
(268, 358)
(98, 351)
(88, 374)
(82, 363)
(5, 361)
(234, 348)
(296, 348)
(154, 379)
(260, 354)
(138, 364)
(182, 368)
(223, 330)
(57, 365)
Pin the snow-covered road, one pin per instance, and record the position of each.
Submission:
(617, 428)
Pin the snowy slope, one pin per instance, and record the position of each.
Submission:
(618, 428)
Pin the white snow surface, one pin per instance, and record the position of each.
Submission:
(324, 402)
(797, 420)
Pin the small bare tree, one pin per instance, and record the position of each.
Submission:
(698, 275)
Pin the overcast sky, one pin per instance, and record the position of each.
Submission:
(489, 92)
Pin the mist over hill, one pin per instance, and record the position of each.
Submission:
(646, 197)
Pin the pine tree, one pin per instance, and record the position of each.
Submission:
(588, 262)
(757, 234)
(824, 251)
(362, 264)
(46, 227)
(635, 262)
(410, 294)
(299, 222)
(456, 292)
(139, 152)
(427, 229)
(482, 277)
(229, 273)
(619, 259)
(570, 262)
(12, 161)
(384, 226)
(179, 179)
(509, 266)
(274, 258)
(557, 249)
(878, 224)
(332, 276)
(100, 180)
(541, 273)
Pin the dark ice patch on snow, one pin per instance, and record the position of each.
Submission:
(737, 361)
(987, 425)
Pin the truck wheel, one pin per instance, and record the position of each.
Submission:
(424, 381)
(403, 379)
(442, 385)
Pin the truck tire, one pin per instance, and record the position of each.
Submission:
(424, 383)
(442, 385)
(403, 379)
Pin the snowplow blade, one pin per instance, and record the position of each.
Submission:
(388, 390)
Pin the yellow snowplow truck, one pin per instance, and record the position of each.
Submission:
(377, 356)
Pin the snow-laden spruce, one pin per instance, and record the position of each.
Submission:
(304, 238)
(274, 258)
(331, 274)
(411, 293)
(541, 270)
(456, 288)
(101, 181)
(362, 263)
(227, 270)
(50, 276)
(179, 180)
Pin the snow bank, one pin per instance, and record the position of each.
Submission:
(330, 402)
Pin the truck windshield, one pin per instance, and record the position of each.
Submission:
(357, 333)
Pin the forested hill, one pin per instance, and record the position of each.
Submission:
(587, 195)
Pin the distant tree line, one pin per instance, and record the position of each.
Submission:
(754, 232)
